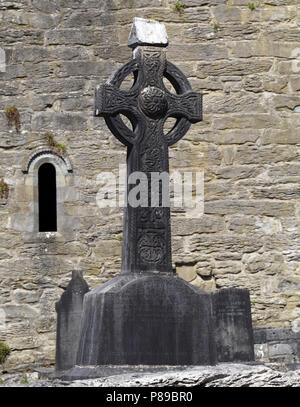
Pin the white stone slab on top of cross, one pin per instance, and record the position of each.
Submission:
(147, 32)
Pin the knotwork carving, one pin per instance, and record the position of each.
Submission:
(153, 216)
(152, 66)
(151, 159)
(151, 247)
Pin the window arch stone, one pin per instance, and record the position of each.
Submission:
(42, 156)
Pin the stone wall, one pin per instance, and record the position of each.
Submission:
(277, 345)
(247, 64)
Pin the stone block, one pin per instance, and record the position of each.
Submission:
(265, 154)
(186, 271)
(233, 325)
(52, 120)
(234, 103)
(278, 334)
(259, 335)
(199, 3)
(196, 52)
(281, 170)
(147, 32)
(261, 352)
(253, 84)
(204, 284)
(262, 48)
(69, 311)
(280, 351)
(228, 155)
(240, 2)
(13, 36)
(275, 84)
(234, 172)
(74, 36)
(250, 208)
(119, 53)
(168, 15)
(283, 102)
(295, 84)
(282, 14)
(42, 20)
(227, 242)
(296, 328)
(282, 192)
(266, 263)
(205, 224)
(227, 267)
(252, 121)
(285, 137)
(91, 68)
(225, 14)
(20, 312)
(11, 139)
(288, 67)
(26, 296)
(234, 67)
(45, 6)
(110, 248)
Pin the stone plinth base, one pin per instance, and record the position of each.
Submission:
(160, 319)
(155, 319)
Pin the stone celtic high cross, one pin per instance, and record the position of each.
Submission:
(147, 315)
(148, 104)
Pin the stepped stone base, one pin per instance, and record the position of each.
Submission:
(160, 319)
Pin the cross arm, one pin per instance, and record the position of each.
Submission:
(110, 100)
(188, 105)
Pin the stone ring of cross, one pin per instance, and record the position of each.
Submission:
(148, 100)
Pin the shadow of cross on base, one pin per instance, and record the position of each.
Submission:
(148, 104)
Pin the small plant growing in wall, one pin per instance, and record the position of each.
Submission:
(60, 149)
(180, 7)
(216, 26)
(251, 6)
(4, 189)
(13, 117)
(24, 380)
(4, 352)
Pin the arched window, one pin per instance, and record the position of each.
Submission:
(47, 182)
(47, 201)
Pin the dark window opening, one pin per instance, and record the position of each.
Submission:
(47, 198)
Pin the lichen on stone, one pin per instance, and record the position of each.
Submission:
(60, 149)
(13, 117)
(4, 189)
(4, 352)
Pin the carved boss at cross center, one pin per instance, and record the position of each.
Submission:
(148, 104)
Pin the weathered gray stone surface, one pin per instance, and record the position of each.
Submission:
(278, 344)
(56, 53)
(222, 375)
(233, 333)
(69, 312)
